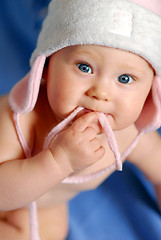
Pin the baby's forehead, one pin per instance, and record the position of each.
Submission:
(80, 48)
(100, 51)
(92, 48)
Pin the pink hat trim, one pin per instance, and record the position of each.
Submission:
(153, 5)
(22, 100)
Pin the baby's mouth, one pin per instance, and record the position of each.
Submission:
(80, 113)
(86, 110)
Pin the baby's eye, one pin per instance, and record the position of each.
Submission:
(84, 68)
(125, 79)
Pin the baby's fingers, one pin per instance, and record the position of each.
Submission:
(95, 144)
(97, 148)
(86, 120)
(100, 152)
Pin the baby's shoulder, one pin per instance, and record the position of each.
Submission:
(10, 147)
(5, 112)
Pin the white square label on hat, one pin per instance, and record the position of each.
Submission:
(121, 23)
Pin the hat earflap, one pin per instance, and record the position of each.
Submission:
(150, 117)
(23, 96)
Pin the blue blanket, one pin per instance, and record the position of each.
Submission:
(124, 206)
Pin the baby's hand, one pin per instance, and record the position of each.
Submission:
(78, 146)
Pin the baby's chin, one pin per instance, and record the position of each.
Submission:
(120, 127)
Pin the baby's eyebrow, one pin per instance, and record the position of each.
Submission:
(85, 52)
(136, 70)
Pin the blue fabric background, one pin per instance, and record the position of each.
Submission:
(124, 206)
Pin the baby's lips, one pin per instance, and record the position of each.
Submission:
(81, 113)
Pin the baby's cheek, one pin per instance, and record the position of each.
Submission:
(124, 119)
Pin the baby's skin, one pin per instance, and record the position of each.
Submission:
(82, 147)
(52, 206)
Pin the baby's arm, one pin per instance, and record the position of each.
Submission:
(147, 157)
(24, 180)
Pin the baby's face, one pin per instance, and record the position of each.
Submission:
(99, 79)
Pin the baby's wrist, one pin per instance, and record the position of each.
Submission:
(60, 163)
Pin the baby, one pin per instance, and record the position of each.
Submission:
(94, 82)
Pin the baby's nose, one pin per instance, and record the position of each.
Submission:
(98, 92)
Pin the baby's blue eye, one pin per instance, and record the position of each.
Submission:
(84, 68)
(125, 79)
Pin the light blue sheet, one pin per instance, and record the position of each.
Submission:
(124, 206)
